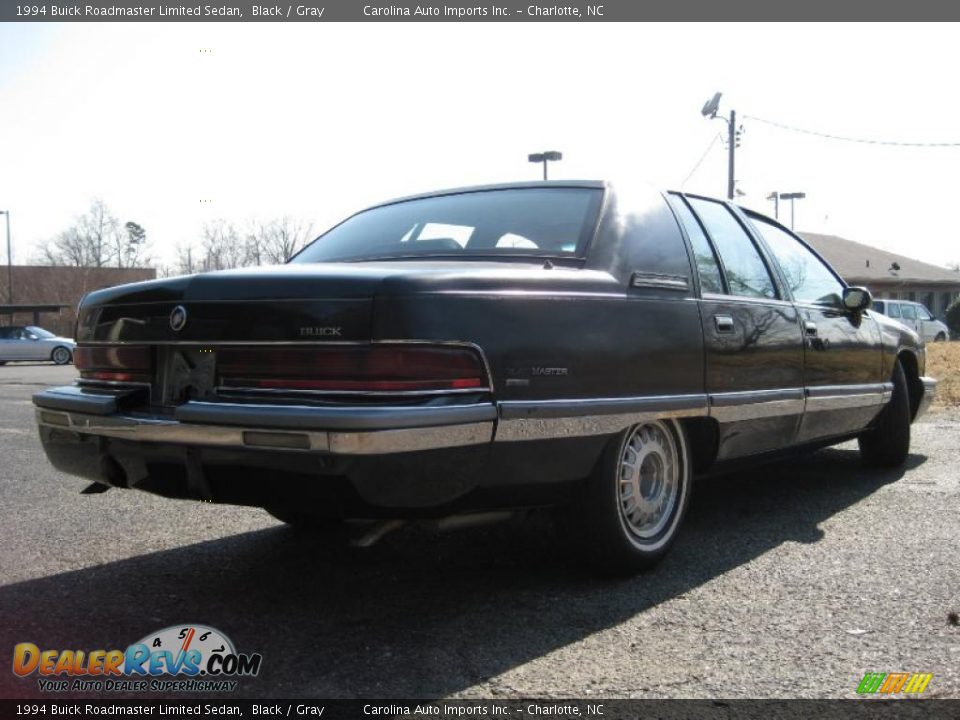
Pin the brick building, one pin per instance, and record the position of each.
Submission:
(887, 274)
(56, 285)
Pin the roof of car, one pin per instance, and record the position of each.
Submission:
(592, 184)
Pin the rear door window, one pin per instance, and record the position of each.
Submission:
(708, 267)
(743, 266)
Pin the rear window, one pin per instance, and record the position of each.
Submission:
(534, 221)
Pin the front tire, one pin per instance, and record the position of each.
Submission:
(941, 337)
(888, 443)
(630, 510)
(61, 355)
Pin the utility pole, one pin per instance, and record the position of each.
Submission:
(709, 110)
(732, 143)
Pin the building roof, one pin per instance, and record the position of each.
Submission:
(862, 264)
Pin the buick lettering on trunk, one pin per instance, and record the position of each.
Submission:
(582, 346)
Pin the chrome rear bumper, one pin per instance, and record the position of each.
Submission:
(354, 430)
(929, 395)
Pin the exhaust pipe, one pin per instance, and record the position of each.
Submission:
(382, 528)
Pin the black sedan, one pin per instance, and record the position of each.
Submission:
(566, 344)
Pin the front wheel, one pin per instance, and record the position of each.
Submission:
(61, 355)
(888, 443)
(941, 337)
(630, 509)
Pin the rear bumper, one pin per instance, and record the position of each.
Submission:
(929, 395)
(355, 430)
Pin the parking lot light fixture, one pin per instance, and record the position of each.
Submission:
(775, 196)
(9, 260)
(545, 157)
(792, 196)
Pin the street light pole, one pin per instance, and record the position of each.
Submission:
(792, 197)
(545, 157)
(775, 196)
(9, 260)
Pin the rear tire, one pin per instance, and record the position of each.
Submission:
(61, 355)
(629, 511)
(888, 443)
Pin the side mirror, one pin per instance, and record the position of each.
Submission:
(857, 298)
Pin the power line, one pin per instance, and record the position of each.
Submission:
(863, 141)
(700, 161)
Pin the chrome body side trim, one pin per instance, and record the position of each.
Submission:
(755, 404)
(376, 442)
(842, 397)
(545, 419)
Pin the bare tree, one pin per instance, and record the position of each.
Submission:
(276, 241)
(221, 248)
(97, 239)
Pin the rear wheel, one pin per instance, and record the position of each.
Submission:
(61, 355)
(888, 443)
(630, 509)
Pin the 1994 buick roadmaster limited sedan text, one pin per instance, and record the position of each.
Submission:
(569, 344)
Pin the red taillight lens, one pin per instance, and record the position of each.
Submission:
(116, 364)
(374, 368)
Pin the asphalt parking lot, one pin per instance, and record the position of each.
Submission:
(789, 581)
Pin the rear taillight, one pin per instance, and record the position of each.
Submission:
(113, 364)
(368, 368)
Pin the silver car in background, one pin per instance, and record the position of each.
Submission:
(915, 316)
(34, 343)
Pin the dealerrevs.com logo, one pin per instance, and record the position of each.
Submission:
(180, 658)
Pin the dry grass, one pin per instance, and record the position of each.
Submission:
(943, 363)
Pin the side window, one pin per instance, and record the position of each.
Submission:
(893, 310)
(707, 267)
(746, 272)
(923, 313)
(909, 312)
(6, 333)
(879, 306)
(807, 277)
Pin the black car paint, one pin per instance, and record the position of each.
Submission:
(604, 326)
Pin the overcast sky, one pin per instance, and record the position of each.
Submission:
(318, 120)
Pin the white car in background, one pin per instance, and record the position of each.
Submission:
(915, 316)
(34, 343)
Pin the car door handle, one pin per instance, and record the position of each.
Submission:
(724, 323)
(810, 328)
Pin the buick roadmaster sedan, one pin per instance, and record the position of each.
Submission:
(575, 345)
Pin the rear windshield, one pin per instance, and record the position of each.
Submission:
(534, 221)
